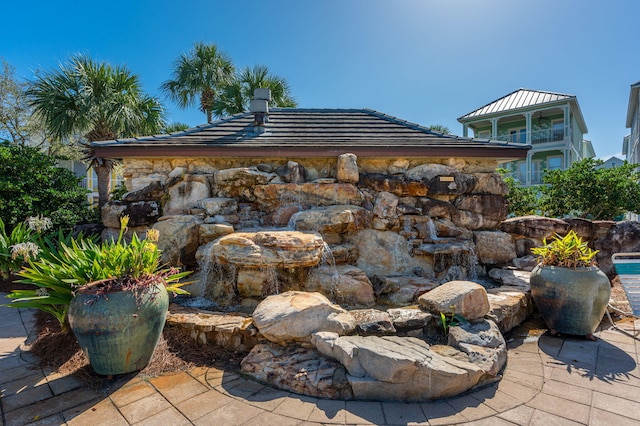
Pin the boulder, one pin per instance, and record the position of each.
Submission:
(510, 306)
(140, 213)
(332, 219)
(494, 247)
(534, 226)
(511, 277)
(242, 177)
(372, 322)
(396, 185)
(211, 231)
(623, 237)
(345, 284)
(398, 368)
(474, 221)
(292, 172)
(271, 197)
(385, 211)
(347, 168)
(490, 183)
(299, 370)
(404, 319)
(186, 194)
(491, 207)
(152, 192)
(482, 342)
(137, 183)
(219, 206)
(385, 253)
(466, 298)
(282, 249)
(179, 239)
(437, 208)
(293, 316)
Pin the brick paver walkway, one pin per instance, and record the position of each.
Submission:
(548, 380)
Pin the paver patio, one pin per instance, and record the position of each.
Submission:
(547, 380)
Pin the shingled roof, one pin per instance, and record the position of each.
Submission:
(308, 132)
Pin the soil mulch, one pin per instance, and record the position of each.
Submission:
(175, 352)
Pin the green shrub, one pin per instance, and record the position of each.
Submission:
(31, 185)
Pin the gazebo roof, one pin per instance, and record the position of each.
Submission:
(308, 132)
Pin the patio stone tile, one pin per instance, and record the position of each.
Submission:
(525, 379)
(32, 380)
(441, 413)
(328, 411)
(364, 412)
(51, 406)
(298, 407)
(618, 405)
(566, 391)
(131, 392)
(490, 421)
(274, 419)
(169, 417)
(470, 407)
(267, 398)
(561, 407)
(541, 418)
(243, 388)
(579, 353)
(235, 413)
(53, 420)
(103, 412)
(60, 383)
(499, 401)
(402, 413)
(517, 391)
(25, 397)
(520, 415)
(202, 404)
(550, 345)
(178, 387)
(144, 408)
(601, 417)
(525, 366)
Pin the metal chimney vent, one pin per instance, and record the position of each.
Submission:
(259, 106)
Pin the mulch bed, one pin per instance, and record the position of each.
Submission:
(175, 352)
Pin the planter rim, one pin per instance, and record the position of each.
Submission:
(577, 269)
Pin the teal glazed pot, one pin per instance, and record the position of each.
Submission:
(119, 331)
(571, 301)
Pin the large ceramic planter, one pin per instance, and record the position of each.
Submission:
(571, 301)
(119, 331)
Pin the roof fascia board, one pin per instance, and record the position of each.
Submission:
(633, 102)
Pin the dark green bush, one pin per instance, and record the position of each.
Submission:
(32, 185)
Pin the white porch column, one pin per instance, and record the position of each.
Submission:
(465, 131)
(567, 121)
(529, 171)
(494, 128)
(527, 117)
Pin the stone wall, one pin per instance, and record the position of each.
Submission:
(360, 230)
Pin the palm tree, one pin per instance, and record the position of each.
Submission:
(97, 101)
(236, 96)
(202, 73)
(440, 128)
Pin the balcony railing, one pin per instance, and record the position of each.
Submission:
(536, 177)
(537, 136)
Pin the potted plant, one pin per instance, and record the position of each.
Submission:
(112, 295)
(568, 288)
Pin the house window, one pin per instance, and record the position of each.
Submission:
(557, 131)
(518, 135)
(485, 134)
(554, 163)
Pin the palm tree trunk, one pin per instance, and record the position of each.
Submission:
(104, 184)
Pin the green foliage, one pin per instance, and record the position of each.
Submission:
(440, 128)
(12, 254)
(523, 200)
(118, 192)
(450, 319)
(66, 266)
(569, 251)
(585, 190)
(31, 184)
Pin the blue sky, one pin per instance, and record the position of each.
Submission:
(427, 61)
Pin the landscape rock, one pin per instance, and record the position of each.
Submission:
(534, 226)
(372, 322)
(404, 319)
(468, 299)
(482, 342)
(179, 239)
(299, 370)
(345, 284)
(509, 306)
(347, 168)
(152, 192)
(186, 194)
(294, 316)
(494, 247)
(332, 219)
(396, 185)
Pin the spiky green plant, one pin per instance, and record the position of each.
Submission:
(62, 270)
(569, 251)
